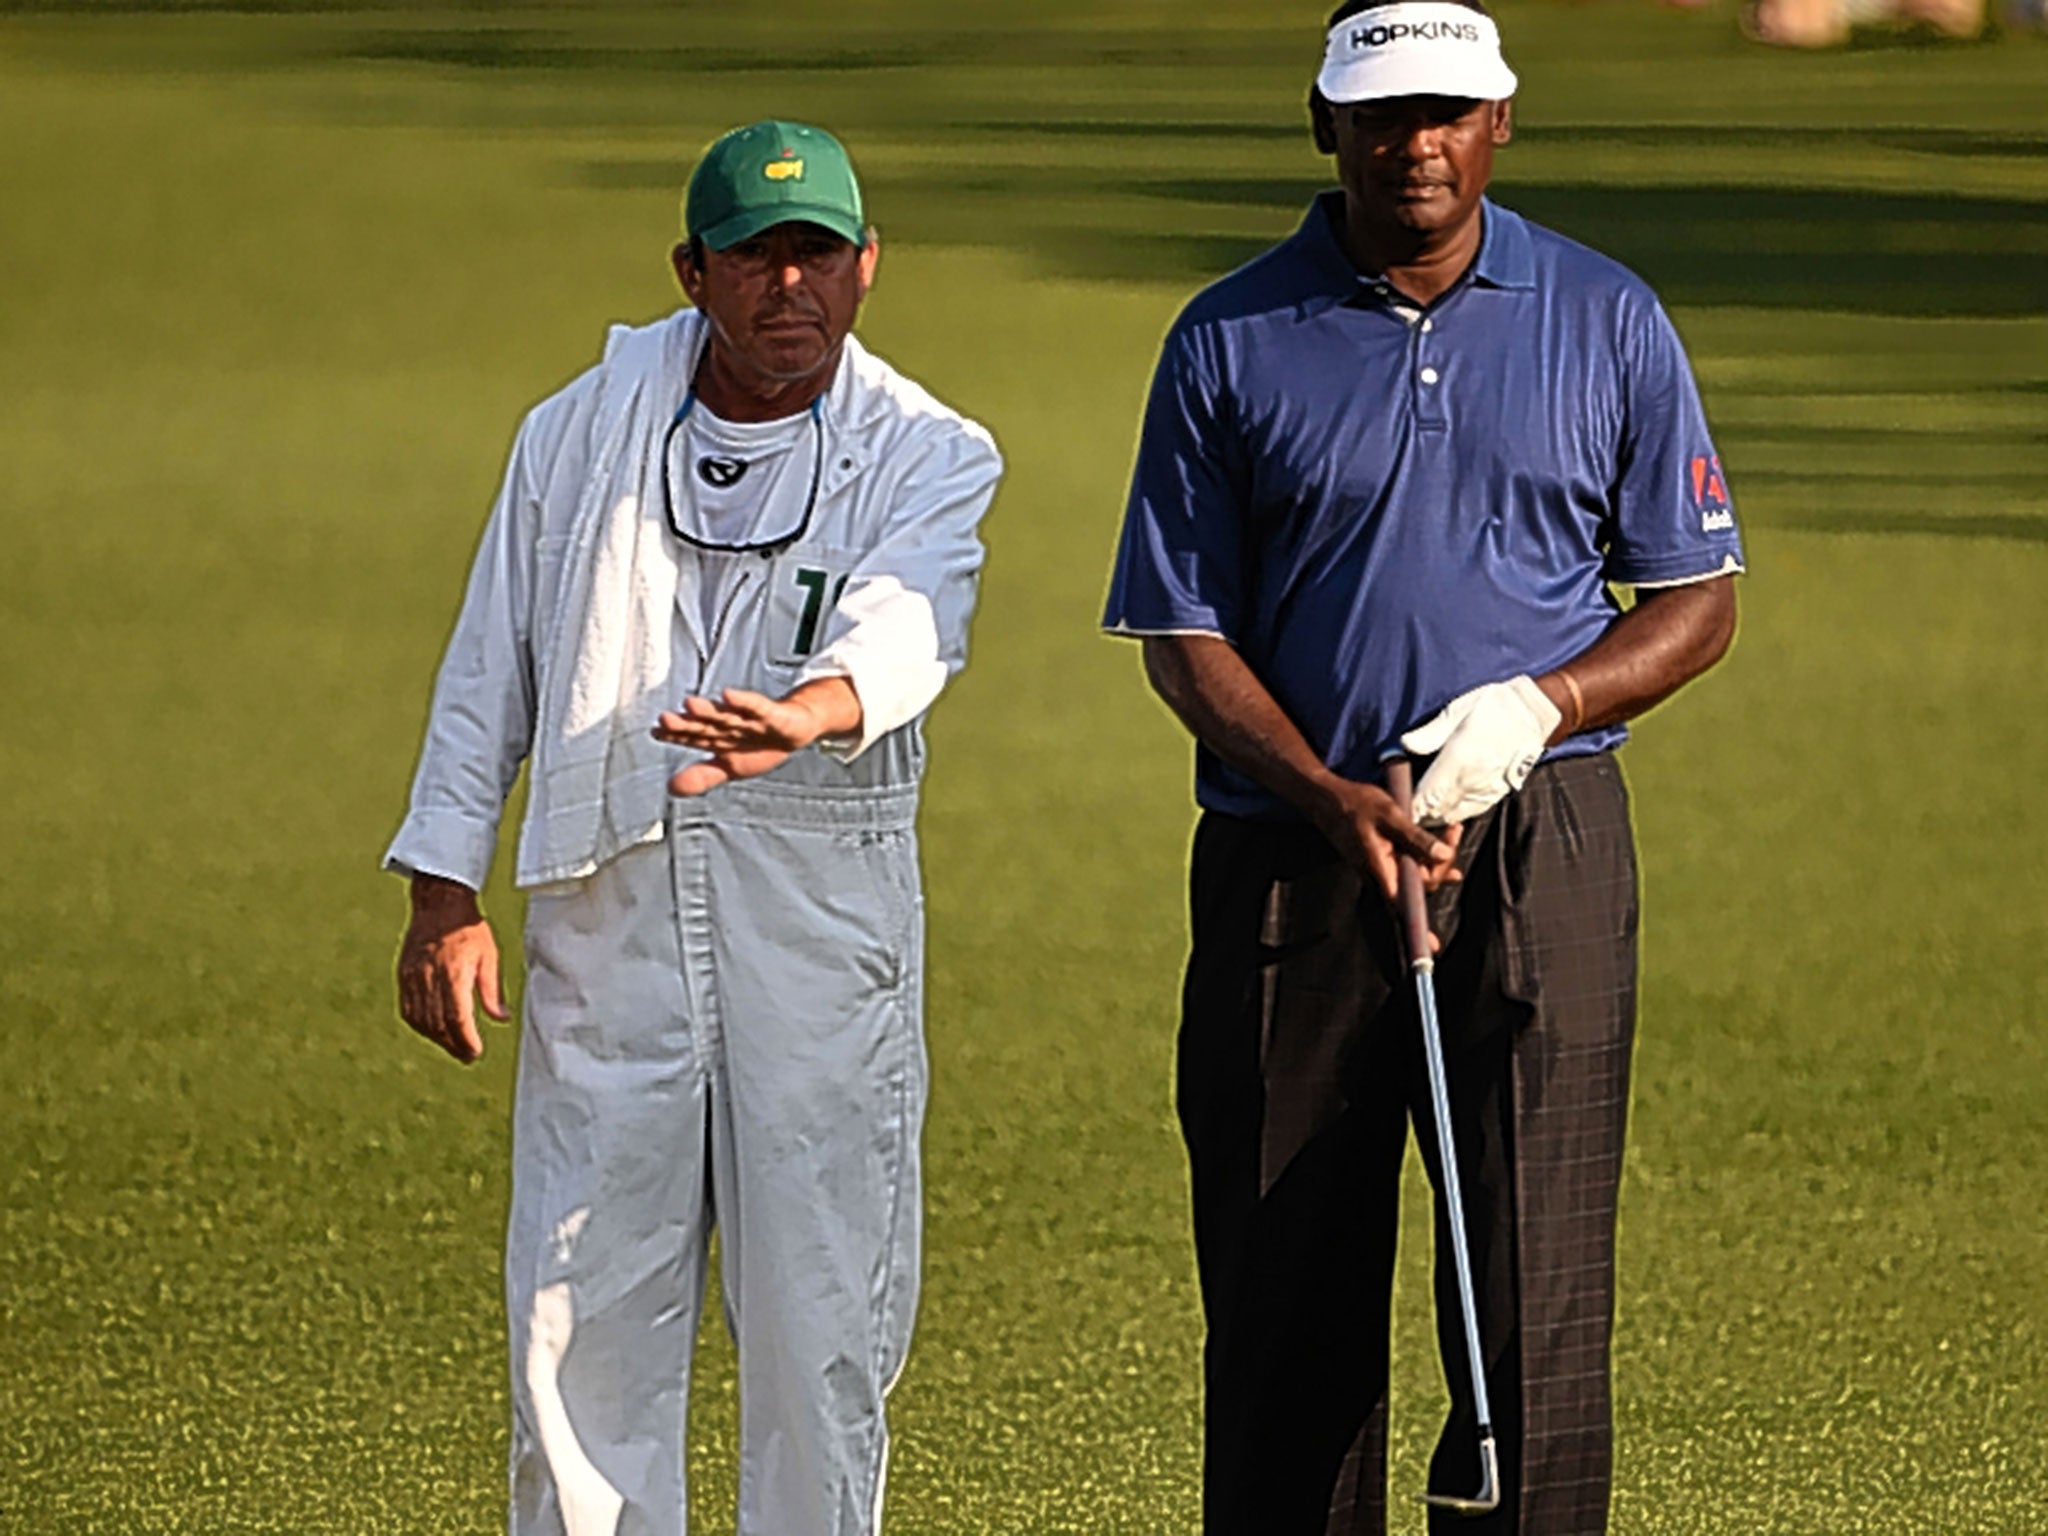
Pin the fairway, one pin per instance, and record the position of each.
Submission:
(275, 289)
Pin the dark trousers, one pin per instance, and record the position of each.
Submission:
(1300, 1070)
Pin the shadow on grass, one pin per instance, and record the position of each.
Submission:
(2016, 526)
(1809, 248)
(512, 48)
(1899, 253)
(508, 49)
(1686, 139)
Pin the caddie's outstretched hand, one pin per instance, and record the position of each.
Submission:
(749, 733)
(447, 962)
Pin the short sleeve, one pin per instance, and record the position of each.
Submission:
(1673, 516)
(1179, 566)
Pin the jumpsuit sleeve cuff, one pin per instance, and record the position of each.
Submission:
(448, 843)
(892, 692)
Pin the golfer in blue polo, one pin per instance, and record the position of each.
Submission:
(1392, 475)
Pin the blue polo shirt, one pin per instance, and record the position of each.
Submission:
(1381, 506)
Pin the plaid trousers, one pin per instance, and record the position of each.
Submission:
(1300, 1069)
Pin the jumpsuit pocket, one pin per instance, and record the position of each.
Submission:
(885, 866)
(804, 586)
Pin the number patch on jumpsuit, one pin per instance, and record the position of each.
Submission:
(802, 594)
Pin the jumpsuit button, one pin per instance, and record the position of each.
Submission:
(1428, 375)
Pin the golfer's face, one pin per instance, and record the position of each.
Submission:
(783, 300)
(1420, 162)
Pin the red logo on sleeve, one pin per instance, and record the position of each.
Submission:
(1710, 494)
(1707, 488)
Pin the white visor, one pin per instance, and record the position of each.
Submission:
(1424, 48)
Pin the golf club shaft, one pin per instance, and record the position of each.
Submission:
(1414, 914)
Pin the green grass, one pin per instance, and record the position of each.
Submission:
(276, 287)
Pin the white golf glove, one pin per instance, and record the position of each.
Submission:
(1485, 742)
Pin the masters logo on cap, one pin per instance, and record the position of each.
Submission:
(771, 173)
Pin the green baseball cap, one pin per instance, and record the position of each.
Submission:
(769, 173)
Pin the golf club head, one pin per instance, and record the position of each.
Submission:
(1487, 1499)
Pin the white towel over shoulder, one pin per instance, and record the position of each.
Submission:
(599, 778)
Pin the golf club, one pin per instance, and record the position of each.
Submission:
(1414, 915)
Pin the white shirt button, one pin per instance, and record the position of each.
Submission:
(1428, 375)
(1429, 325)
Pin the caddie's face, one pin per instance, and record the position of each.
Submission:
(1419, 162)
(782, 301)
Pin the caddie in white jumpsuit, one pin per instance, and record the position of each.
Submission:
(729, 569)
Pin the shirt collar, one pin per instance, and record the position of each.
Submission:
(1505, 260)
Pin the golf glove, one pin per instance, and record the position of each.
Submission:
(1485, 742)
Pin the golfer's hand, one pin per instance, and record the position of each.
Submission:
(1366, 826)
(1484, 742)
(749, 733)
(447, 960)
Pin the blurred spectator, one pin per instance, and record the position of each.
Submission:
(1826, 23)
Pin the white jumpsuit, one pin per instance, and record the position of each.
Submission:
(723, 1011)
